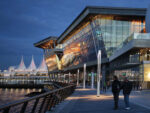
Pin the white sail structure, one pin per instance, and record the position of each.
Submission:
(21, 66)
(21, 69)
(42, 69)
(32, 67)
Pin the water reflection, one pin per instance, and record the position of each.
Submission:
(8, 95)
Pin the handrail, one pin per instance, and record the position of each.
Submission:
(71, 88)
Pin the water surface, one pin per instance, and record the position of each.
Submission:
(9, 95)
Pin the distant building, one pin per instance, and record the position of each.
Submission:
(1, 73)
(32, 70)
(21, 69)
(6, 73)
(42, 69)
(11, 70)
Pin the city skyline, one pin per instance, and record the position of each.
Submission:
(26, 22)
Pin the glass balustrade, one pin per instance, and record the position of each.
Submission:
(144, 36)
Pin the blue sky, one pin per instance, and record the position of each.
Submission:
(24, 22)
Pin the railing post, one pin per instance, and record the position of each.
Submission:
(57, 98)
(61, 95)
(6, 110)
(24, 107)
(35, 104)
(64, 94)
(42, 105)
(53, 101)
(48, 103)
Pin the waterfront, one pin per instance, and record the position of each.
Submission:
(37, 104)
(9, 95)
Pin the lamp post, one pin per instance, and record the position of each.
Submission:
(84, 76)
(98, 72)
(92, 80)
(69, 77)
(64, 78)
(78, 77)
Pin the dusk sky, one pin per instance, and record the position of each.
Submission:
(24, 22)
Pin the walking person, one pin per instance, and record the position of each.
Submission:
(115, 91)
(127, 87)
(108, 84)
(104, 87)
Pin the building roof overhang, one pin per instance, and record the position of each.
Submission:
(135, 43)
(45, 42)
(92, 10)
(89, 10)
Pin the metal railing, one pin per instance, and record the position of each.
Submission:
(40, 103)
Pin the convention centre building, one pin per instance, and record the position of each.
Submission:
(122, 35)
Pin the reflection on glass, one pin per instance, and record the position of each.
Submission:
(104, 32)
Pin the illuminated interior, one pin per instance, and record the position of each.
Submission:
(110, 33)
(104, 32)
(146, 72)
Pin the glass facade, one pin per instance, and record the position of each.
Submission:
(82, 47)
(101, 32)
(51, 63)
(116, 29)
(146, 72)
(135, 64)
(108, 33)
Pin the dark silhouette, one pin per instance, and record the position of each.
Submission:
(104, 87)
(108, 84)
(115, 91)
(127, 87)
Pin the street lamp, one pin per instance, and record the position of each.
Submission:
(98, 72)
(69, 77)
(92, 80)
(84, 76)
(78, 77)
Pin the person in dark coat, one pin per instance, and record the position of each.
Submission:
(115, 91)
(127, 87)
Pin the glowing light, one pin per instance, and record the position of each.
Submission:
(148, 75)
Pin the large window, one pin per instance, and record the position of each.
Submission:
(116, 29)
(102, 32)
(105, 32)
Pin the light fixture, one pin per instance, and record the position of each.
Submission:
(149, 75)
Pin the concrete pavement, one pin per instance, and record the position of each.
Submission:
(86, 101)
(141, 98)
